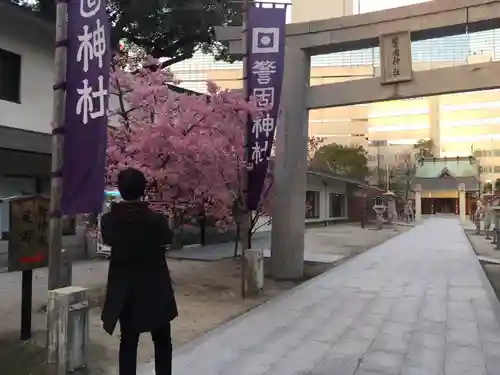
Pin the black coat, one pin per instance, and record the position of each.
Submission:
(138, 275)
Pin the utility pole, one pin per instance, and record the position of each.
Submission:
(387, 176)
(58, 117)
(379, 179)
(246, 215)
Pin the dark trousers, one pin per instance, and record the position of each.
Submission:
(129, 341)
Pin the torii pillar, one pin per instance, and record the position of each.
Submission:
(290, 170)
(418, 202)
(461, 202)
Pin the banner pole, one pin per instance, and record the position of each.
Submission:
(58, 119)
(246, 214)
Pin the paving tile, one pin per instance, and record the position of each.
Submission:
(420, 356)
(462, 337)
(464, 358)
(396, 328)
(429, 326)
(493, 364)
(300, 361)
(371, 319)
(427, 341)
(392, 343)
(420, 370)
(364, 372)
(350, 348)
(384, 362)
(368, 332)
(331, 366)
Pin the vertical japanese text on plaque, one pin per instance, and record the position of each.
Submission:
(396, 56)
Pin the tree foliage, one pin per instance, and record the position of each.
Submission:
(171, 29)
(342, 160)
(313, 145)
(190, 147)
(425, 148)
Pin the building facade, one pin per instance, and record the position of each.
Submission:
(331, 199)
(26, 79)
(26, 66)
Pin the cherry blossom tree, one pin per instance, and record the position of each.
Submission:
(190, 147)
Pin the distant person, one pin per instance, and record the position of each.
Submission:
(473, 209)
(139, 293)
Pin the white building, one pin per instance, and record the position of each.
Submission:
(26, 80)
(26, 65)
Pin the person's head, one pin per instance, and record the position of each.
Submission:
(131, 184)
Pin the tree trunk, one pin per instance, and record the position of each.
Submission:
(177, 229)
(249, 238)
(237, 239)
(203, 229)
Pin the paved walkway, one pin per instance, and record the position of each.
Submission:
(415, 305)
(322, 244)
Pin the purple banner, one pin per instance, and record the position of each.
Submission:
(265, 65)
(85, 128)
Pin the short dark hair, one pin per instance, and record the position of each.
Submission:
(131, 184)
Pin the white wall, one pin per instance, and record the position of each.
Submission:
(35, 110)
(325, 187)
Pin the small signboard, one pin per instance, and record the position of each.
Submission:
(395, 57)
(28, 233)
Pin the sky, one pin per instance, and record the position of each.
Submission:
(365, 5)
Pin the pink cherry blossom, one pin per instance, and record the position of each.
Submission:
(191, 148)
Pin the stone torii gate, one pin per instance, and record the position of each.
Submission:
(422, 21)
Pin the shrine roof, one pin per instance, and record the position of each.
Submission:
(453, 167)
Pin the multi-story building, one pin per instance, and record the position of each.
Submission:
(458, 124)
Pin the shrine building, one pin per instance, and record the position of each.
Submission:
(440, 179)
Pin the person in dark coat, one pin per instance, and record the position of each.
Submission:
(139, 292)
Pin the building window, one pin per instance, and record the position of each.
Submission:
(337, 205)
(496, 169)
(312, 204)
(10, 76)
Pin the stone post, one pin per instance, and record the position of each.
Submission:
(68, 329)
(254, 272)
(461, 202)
(487, 217)
(290, 171)
(418, 202)
(495, 215)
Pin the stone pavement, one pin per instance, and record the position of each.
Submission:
(322, 244)
(418, 304)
